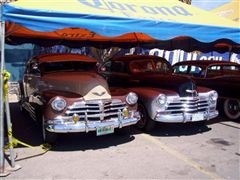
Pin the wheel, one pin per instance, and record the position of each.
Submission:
(47, 136)
(123, 131)
(231, 108)
(145, 123)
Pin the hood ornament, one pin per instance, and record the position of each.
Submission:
(194, 92)
(99, 93)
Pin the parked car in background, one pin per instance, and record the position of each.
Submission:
(163, 97)
(224, 77)
(66, 95)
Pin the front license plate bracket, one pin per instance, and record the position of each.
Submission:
(197, 117)
(105, 130)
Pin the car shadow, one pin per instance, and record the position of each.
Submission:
(179, 129)
(182, 129)
(29, 132)
(89, 141)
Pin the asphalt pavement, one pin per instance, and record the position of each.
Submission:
(171, 151)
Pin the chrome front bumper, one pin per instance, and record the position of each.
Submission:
(185, 117)
(86, 126)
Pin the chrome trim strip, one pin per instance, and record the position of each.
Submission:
(85, 126)
(184, 117)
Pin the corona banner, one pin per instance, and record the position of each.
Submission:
(115, 21)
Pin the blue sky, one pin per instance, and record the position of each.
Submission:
(209, 4)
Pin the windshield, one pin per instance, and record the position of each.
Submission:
(151, 65)
(191, 70)
(48, 67)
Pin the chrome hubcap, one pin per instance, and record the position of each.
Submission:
(233, 107)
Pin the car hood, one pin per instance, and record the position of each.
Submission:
(183, 85)
(89, 85)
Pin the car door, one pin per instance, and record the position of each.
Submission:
(115, 72)
(31, 79)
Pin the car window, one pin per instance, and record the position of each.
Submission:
(114, 66)
(223, 70)
(118, 66)
(231, 68)
(196, 71)
(48, 67)
(213, 71)
(140, 66)
(33, 68)
(146, 65)
(214, 67)
(162, 66)
(182, 69)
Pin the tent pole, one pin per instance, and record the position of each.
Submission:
(2, 173)
(14, 167)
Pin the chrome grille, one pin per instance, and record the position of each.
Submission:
(96, 110)
(188, 105)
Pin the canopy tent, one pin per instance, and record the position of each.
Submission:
(229, 10)
(166, 23)
(124, 23)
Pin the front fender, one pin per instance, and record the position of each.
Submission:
(147, 95)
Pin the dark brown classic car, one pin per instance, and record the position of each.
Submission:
(222, 76)
(163, 97)
(65, 94)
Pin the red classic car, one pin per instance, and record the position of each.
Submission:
(163, 97)
(222, 76)
(65, 94)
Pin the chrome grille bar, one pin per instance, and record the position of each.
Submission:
(96, 110)
(188, 105)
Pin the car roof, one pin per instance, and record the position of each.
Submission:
(135, 57)
(205, 63)
(58, 57)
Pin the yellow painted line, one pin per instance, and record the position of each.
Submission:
(231, 124)
(182, 157)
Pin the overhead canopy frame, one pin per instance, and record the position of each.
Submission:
(106, 23)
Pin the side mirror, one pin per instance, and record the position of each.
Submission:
(103, 69)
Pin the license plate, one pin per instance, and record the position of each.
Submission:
(197, 117)
(105, 130)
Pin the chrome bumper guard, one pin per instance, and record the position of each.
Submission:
(185, 117)
(60, 126)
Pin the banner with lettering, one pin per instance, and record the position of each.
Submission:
(101, 19)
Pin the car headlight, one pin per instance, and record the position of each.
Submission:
(161, 99)
(213, 96)
(58, 104)
(132, 98)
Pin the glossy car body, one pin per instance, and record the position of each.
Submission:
(222, 76)
(163, 97)
(64, 93)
